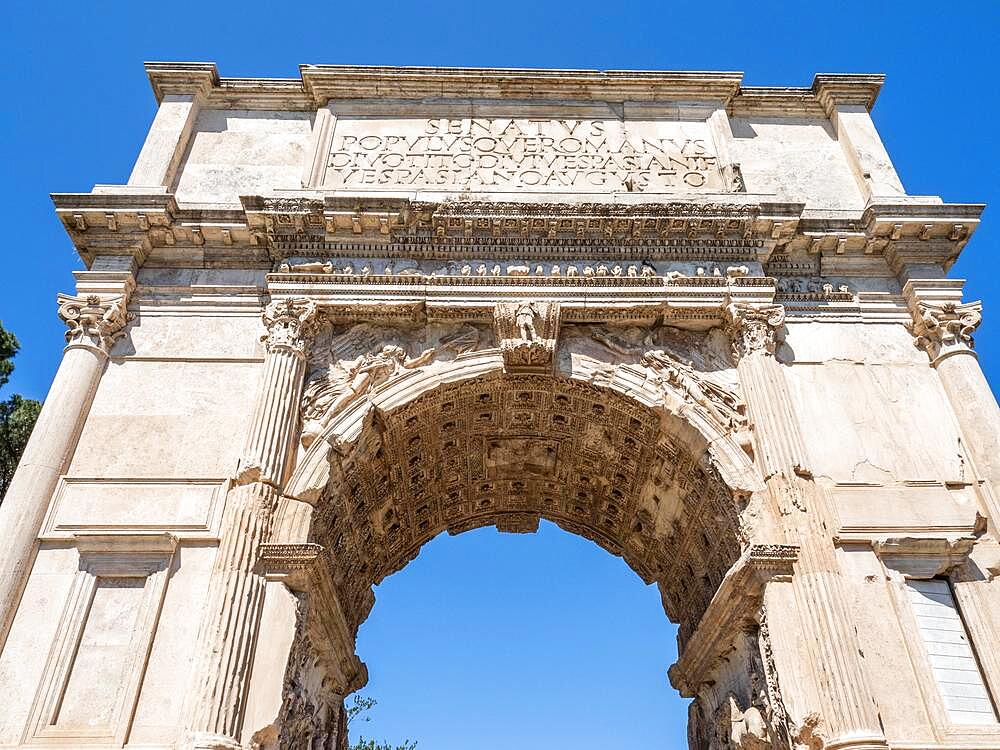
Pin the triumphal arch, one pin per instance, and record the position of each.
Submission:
(699, 323)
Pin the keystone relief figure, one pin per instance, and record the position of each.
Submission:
(524, 316)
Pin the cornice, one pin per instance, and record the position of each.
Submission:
(838, 89)
(318, 84)
(124, 221)
(191, 78)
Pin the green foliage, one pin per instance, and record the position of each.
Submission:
(358, 711)
(17, 414)
(8, 348)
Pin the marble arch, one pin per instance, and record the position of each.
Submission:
(545, 444)
(609, 450)
(330, 316)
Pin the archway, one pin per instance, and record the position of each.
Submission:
(495, 640)
(624, 445)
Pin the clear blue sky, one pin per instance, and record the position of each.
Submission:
(487, 641)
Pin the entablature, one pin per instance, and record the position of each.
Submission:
(115, 221)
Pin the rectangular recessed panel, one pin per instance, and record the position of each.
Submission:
(98, 672)
(956, 671)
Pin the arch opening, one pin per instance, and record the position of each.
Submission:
(507, 450)
(633, 448)
(524, 639)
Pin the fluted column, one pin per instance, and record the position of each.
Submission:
(847, 714)
(944, 329)
(95, 322)
(236, 592)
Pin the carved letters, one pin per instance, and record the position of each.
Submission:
(518, 154)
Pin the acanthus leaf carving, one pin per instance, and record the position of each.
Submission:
(754, 328)
(947, 328)
(290, 325)
(94, 320)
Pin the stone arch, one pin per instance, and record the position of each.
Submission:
(605, 448)
(383, 476)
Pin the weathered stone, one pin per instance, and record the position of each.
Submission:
(321, 325)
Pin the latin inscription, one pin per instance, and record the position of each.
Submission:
(589, 155)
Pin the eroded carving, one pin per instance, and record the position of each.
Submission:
(290, 324)
(947, 329)
(94, 320)
(352, 363)
(725, 407)
(527, 332)
(673, 374)
(754, 328)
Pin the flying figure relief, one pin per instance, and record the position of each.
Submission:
(693, 388)
(682, 378)
(335, 387)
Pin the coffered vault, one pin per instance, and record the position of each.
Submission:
(699, 323)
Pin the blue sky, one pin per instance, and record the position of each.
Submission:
(486, 640)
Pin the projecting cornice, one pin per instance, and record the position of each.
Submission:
(318, 84)
(122, 221)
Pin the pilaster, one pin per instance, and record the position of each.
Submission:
(943, 326)
(848, 106)
(837, 701)
(180, 90)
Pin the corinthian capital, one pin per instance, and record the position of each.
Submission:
(753, 328)
(94, 320)
(290, 325)
(946, 328)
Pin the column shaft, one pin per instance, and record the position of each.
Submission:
(95, 322)
(46, 457)
(228, 634)
(978, 418)
(845, 705)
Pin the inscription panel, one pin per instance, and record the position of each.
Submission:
(587, 152)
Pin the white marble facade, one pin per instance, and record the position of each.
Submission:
(700, 323)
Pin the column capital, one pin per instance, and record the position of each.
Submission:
(946, 329)
(290, 325)
(95, 321)
(753, 327)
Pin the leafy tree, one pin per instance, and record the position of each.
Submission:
(17, 414)
(358, 711)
